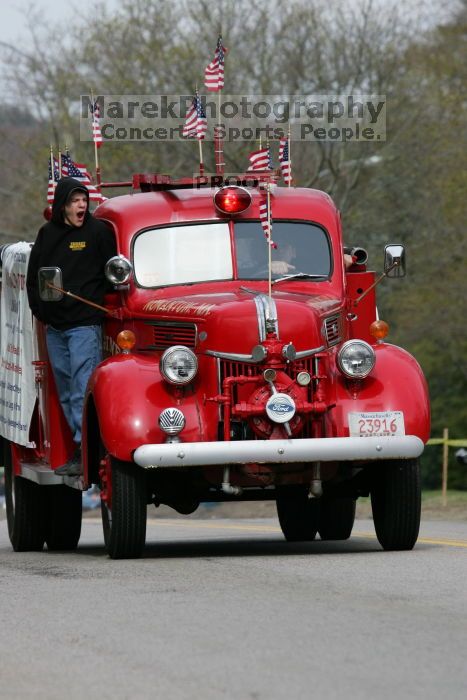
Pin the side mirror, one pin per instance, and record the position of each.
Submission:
(394, 260)
(50, 283)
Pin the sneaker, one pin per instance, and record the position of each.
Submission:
(73, 467)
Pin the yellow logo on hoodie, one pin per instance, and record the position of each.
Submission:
(77, 245)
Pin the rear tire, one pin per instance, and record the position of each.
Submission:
(396, 503)
(336, 518)
(64, 515)
(25, 508)
(298, 514)
(124, 522)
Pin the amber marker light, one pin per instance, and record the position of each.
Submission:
(379, 329)
(126, 341)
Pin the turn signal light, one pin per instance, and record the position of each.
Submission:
(379, 329)
(232, 199)
(126, 341)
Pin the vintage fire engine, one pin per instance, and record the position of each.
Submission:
(228, 376)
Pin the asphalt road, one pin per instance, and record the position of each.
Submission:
(226, 609)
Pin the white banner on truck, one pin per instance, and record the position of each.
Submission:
(17, 377)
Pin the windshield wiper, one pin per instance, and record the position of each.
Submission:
(299, 274)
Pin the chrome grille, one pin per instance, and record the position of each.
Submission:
(167, 334)
(333, 329)
(229, 368)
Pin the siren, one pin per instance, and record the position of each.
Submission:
(359, 255)
(232, 199)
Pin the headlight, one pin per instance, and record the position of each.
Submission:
(356, 359)
(179, 364)
(118, 269)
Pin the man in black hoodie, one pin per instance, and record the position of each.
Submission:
(79, 245)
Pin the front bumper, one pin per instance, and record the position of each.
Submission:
(351, 449)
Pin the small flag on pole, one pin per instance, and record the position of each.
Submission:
(284, 160)
(79, 172)
(260, 160)
(214, 72)
(265, 216)
(53, 179)
(96, 127)
(196, 122)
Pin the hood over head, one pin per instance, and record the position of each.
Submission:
(65, 187)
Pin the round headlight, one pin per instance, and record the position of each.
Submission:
(356, 359)
(118, 269)
(179, 364)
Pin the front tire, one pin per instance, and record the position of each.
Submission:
(124, 513)
(396, 503)
(25, 508)
(298, 514)
(64, 515)
(336, 518)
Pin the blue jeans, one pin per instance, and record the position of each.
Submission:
(74, 354)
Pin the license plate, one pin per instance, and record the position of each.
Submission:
(386, 423)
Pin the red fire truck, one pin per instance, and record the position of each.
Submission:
(234, 371)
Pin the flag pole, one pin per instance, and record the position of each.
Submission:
(200, 141)
(268, 194)
(218, 140)
(52, 167)
(96, 152)
(289, 184)
(59, 163)
(201, 163)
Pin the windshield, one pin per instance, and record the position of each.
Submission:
(301, 249)
(203, 252)
(183, 254)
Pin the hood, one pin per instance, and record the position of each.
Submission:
(65, 186)
(235, 321)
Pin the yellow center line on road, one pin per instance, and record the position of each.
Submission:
(193, 524)
(421, 540)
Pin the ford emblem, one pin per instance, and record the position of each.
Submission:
(280, 408)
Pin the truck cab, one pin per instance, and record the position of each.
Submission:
(238, 366)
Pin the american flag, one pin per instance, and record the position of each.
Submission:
(214, 72)
(96, 127)
(52, 181)
(69, 164)
(196, 123)
(265, 217)
(260, 160)
(79, 172)
(285, 161)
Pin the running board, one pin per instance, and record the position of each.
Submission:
(43, 475)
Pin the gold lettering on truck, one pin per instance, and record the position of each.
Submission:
(178, 307)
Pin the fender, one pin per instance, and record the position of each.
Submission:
(126, 395)
(396, 383)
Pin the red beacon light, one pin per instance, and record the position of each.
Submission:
(232, 199)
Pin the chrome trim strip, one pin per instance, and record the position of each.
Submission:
(265, 309)
(195, 454)
(260, 316)
(234, 356)
(306, 353)
(238, 357)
